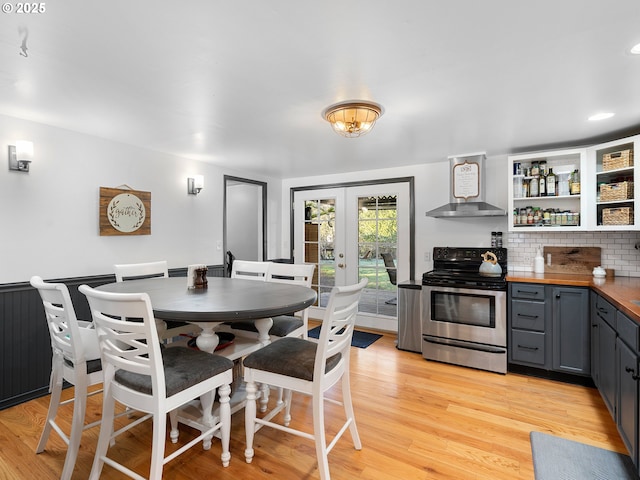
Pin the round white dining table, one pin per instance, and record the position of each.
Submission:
(224, 300)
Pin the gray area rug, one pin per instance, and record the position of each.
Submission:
(555, 458)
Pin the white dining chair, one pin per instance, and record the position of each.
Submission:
(167, 329)
(144, 376)
(311, 368)
(285, 325)
(250, 269)
(75, 359)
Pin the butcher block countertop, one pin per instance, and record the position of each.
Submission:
(620, 291)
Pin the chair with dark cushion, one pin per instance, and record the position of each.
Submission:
(76, 359)
(311, 368)
(139, 374)
(285, 325)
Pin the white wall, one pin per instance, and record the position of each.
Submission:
(49, 216)
(431, 191)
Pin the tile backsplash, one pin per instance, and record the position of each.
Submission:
(619, 250)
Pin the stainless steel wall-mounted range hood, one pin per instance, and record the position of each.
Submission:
(466, 189)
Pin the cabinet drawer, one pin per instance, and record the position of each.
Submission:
(628, 331)
(606, 311)
(527, 315)
(527, 347)
(527, 291)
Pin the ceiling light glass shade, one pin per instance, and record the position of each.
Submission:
(352, 119)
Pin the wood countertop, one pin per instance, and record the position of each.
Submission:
(620, 291)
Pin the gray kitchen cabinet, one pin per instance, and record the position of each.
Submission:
(528, 328)
(571, 330)
(603, 331)
(549, 327)
(627, 383)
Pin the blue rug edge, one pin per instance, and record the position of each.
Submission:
(355, 342)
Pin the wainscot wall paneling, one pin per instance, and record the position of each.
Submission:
(25, 345)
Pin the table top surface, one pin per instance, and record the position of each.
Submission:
(224, 300)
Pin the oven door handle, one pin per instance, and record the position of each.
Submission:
(470, 346)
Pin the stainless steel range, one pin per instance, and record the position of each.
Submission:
(464, 312)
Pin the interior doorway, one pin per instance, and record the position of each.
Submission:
(244, 219)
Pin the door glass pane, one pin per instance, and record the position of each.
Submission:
(377, 245)
(319, 234)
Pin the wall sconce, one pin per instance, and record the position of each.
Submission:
(195, 184)
(20, 156)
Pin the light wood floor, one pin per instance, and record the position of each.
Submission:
(417, 420)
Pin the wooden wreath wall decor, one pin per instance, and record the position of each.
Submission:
(124, 212)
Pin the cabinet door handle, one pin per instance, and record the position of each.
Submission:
(527, 316)
(594, 325)
(557, 295)
(527, 293)
(527, 347)
(603, 310)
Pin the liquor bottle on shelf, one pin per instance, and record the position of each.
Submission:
(575, 182)
(542, 185)
(551, 183)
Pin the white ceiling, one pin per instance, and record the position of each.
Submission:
(243, 83)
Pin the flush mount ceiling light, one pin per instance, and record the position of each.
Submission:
(601, 116)
(635, 50)
(354, 118)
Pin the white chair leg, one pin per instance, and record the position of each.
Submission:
(249, 419)
(157, 445)
(173, 422)
(206, 402)
(55, 388)
(77, 426)
(225, 419)
(348, 411)
(264, 397)
(106, 429)
(287, 408)
(320, 437)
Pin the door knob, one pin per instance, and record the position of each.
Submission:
(341, 265)
(341, 255)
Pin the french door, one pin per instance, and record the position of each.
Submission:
(349, 233)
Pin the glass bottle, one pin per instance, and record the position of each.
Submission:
(542, 167)
(499, 239)
(575, 182)
(494, 239)
(551, 183)
(535, 168)
(542, 185)
(533, 187)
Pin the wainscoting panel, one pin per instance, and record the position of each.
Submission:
(25, 346)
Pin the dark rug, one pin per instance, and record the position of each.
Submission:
(359, 339)
(556, 458)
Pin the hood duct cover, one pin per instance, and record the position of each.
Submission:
(466, 189)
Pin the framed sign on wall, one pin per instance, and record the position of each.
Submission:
(124, 212)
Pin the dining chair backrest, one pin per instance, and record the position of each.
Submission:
(127, 345)
(250, 270)
(77, 345)
(291, 273)
(336, 331)
(130, 271)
